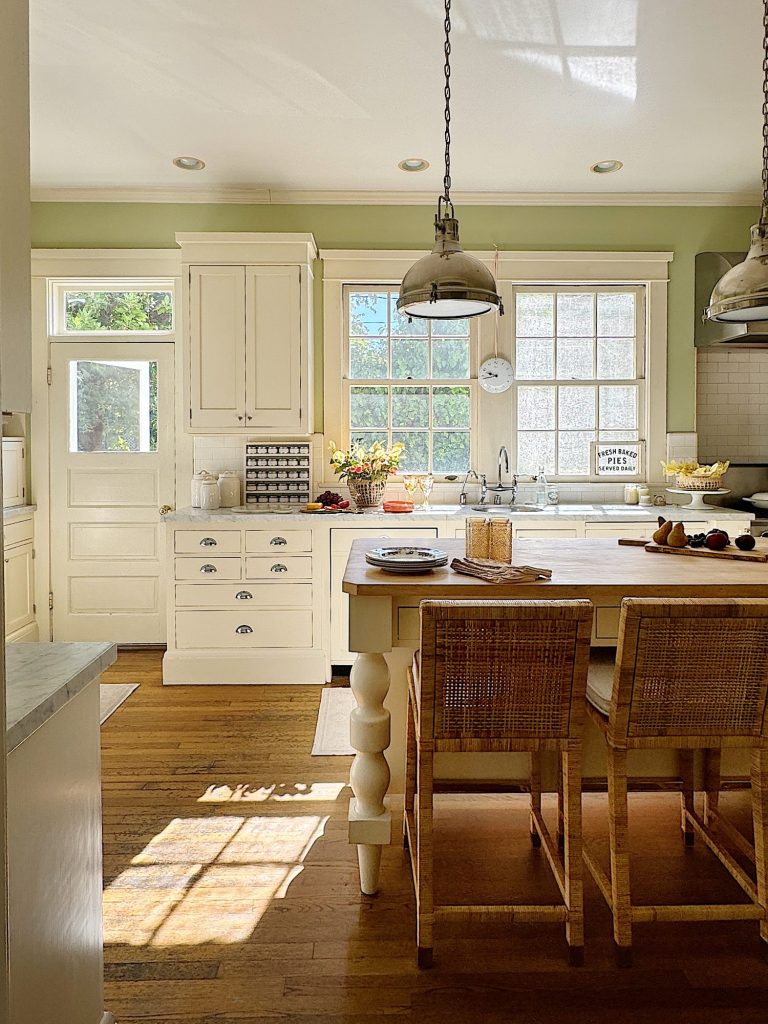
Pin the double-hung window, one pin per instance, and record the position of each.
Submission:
(579, 374)
(408, 380)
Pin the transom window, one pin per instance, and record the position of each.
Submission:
(579, 371)
(113, 307)
(408, 380)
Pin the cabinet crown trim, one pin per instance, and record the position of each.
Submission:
(247, 246)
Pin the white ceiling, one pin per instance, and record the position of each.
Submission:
(330, 94)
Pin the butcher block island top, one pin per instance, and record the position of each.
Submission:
(599, 568)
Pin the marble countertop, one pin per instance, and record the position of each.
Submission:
(450, 513)
(42, 678)
(16, 512)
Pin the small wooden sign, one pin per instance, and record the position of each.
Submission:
(618, 460)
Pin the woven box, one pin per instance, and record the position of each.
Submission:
(699, 483)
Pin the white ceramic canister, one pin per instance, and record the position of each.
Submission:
(197, 479)
(229, 489)
(209, 494)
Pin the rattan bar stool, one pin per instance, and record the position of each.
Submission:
(689, 674)
(499, 676)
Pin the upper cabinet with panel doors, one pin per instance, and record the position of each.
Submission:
(249, 331)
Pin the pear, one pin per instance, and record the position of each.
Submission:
(677, 538)
(665, 528)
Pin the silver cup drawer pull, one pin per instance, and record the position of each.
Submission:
(208, 568)
(244, 595)
(278, 542)
(208, 542)
(279, 567)
(244, 629)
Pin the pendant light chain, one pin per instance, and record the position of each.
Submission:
(447, 92)
(765, 110)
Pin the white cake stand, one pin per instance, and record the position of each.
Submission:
(697, 497)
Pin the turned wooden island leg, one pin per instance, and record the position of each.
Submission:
(370, 821)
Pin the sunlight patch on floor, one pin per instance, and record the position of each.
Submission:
(204, 880)
(319, 792)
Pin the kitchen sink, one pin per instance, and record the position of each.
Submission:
(507, 508)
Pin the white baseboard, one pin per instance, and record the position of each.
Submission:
(108, 1018)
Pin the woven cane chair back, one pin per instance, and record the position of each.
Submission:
(691, 667)
(504, 670)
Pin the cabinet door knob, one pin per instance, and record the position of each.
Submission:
(244, 629)
(278, 542)
(240, 418)
(208, 568)
(244, 595)
(165, 509)
(279, 567)
(249, 418)
(208, 542)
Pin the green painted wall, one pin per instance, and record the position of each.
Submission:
(683, 230)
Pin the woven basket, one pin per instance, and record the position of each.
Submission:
(699, 483)
(367, 493)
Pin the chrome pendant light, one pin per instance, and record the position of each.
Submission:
(741, 295)
(448, 283)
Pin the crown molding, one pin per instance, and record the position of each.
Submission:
(287, 197)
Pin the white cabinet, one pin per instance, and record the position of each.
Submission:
(19, 576)
(217, 347)
(341, 542)
(14, 471)
(249, 335)
(241, 609)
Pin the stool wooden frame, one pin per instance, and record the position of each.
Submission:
(690, 674)
(499, 676)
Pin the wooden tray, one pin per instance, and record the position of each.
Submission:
(665, 549)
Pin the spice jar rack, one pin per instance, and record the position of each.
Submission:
(277, 473)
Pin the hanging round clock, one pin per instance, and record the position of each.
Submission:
(496, 375)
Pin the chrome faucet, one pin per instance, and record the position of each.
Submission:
(501, 488)
(463, 495)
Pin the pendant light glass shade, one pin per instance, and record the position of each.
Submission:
(448, 284)
(741, 295)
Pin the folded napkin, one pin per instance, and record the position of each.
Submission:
(499, 572)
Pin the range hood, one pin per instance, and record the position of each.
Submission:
(710, 267)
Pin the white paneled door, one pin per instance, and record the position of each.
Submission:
(112, 468)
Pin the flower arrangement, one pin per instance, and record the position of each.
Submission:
(693, 477)
(359, 463)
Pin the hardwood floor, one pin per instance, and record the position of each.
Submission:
(231, 893)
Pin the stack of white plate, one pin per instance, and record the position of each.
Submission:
(406, 560)
(759, 500)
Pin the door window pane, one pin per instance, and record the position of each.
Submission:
(108, 312)
(113, 405)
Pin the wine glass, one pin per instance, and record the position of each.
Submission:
(426, 482)
(411, 485)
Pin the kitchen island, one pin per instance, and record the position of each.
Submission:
(384, 631)
(54, 831)
(255, 596)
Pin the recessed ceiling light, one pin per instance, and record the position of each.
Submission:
(606, 166)
(189, 163)
(413, 163)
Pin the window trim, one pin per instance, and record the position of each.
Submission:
(366, 266)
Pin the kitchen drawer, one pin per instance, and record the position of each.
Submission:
(275, 542)
(18, 532)
(207, 541)
(212, 568)
(247, 628)
(279, 567)
(249, 595)
(607, 623)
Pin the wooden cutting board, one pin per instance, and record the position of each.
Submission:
(665, 549)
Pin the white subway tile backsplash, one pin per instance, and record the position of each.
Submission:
(732, 404)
